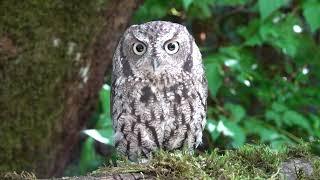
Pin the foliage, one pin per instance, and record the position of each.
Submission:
(102, 133)
(247, 162)
(261, 59)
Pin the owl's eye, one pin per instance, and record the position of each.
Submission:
(139, 48)
(171, 47)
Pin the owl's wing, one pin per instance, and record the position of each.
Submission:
(205, 88)
(116, 89)
(202, 85)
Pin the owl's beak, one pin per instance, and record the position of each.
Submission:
(155, 64)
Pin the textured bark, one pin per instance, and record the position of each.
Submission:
(81, 101)
(53, 58)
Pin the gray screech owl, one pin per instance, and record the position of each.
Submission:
(159, 90)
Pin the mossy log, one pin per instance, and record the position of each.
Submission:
(247, 162)
(53, 58)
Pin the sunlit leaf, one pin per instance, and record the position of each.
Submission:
(211, 126)
(103, 136)
(104, 98)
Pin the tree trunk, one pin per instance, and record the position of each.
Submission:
(48, 88)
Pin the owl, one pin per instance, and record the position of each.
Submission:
(159, 90)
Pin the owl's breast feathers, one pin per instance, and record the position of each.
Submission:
(165, 111)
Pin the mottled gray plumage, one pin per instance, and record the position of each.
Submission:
(159, 90)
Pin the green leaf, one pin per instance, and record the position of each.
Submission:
(250, 33)
(186, 4)
(316, 121)
(274, 116)
(267, 134)
(230, 2)
(151, 10)
(311, 11)
(201, 9)
(280, 143)
(89, 159)
(214, 77)
(104, 98)
(278, 107)
(281, 34)
(237, 111)
(231, 51)
(104, 122)
(88, 152)
(211, 126)
(104, 135)
(104, 118)
(235, 131)
(266, 7)
(294, 118)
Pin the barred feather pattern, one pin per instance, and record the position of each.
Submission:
(162, 107)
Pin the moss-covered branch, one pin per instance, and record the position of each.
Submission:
(248, 162)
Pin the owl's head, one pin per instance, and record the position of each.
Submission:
(157, 47)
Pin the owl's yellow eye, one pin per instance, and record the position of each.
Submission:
(171, 47)
(139, 48)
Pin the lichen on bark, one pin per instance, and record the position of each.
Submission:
(41, 47)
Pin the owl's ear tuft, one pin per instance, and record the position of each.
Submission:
(126, 32)
(132, 26)
(196, 55)
(186, 30)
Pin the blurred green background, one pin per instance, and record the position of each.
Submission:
(262, 60)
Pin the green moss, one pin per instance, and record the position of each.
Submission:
(32, 80)
(248, 162)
